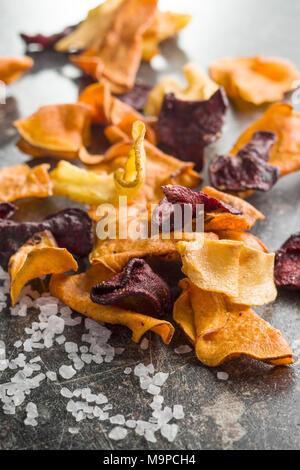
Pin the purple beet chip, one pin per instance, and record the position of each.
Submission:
(182, 196)
(137, 97)
(287, 263)
(47, 42)
(187, 127)
(249, 169)
(72, 229)
(7, 210)
(136, 288)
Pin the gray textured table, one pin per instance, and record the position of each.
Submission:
(258, 407)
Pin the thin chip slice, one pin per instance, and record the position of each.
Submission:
(223, 330)
(75, 292)
(285, 123)
(47, 42)
(20, 181)
(230, 267)
(12, 68)
(7, 210)
(39, 256)
(226, 221)
(183, 313)
(255, 80)
(287, 263)
(247, 238)
(91, 188)
(199, 87)
(56, 130)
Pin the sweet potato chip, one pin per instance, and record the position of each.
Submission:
(56, 130)
(256, 80)
(186, 127)
(12, 68)
(199, 87)
(165, 25)
(221, 330)
(7, 210)
(287, 263)
(19, 181)
(230, 267)
(39, 256)
(117, 58)
(247, 238)
(91, 188)
(285, 123)
(226, 221)
(75, 292)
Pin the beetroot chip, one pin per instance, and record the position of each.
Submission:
(287, 263)
(136, 288)
(72, 229)
(7, 210)
(47, 42)
(187, 127)
(137, 97)
(249, 169)
(185, 196)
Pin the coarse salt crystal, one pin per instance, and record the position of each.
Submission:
(127, 370)
(160, 378)
(153, 389)
(67, 372)
(118, 433)
(144, 344)
(169, 431)
(51, 375)
(178, 412)
(222, 375)
(73, 430)
(71, 347)
(117, 419)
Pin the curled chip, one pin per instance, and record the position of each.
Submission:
(249, 169)
(161, 169)
(187, 127)
(47, 42)
(91, 188)
(199, 87)
(136, 288)
(75, 292)
(72, 229)
(225, 221)
(181, 196)
(39, 256)
(256, 80)
(7, 210)
(117, 56)
(56, 130)
(287, 263)
(285, 123)
(20, 181)
(230, 267)
(220, 329)
(12, 68)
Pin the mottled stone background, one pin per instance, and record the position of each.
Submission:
(258, 407)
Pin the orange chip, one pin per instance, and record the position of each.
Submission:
(37, 257)
(19, 181)
(226, 221)
(285, 123)
(58, 130)
(75, 292)
(247, 238)
(222, 330)
(117, 59)
(255, 80)
(12, 68)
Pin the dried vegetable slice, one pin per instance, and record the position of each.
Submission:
(12, 68)
(47, 42)
(7, 210)
(287, 263)
(75, 292)
(20, 181)
(39, 256)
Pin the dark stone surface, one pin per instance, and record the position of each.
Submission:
(258, 407)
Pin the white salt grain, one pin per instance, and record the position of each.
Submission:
(222, 376)
(71, 347)
(178, 412)
(117, 433)
(67, 372)
(153, 389)
(51, 375)
(127, 370)
(160, 378)
(144, 344)
(60, 339)
(169, 431)
(73, 430)
(117, 419)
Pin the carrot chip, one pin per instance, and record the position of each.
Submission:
(256, 80)
(39, 256)
(221, 329)
(75, 292)
(12, 68)
(20, 181)
(56, 130)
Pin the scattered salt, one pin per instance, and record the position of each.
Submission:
(144, 344)
(67, 372)
(222, 376)
(127, 370)
(117, 433)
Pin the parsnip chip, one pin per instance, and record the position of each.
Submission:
(165, 25)
(247, 238)
(12, 68)
(75, 292)
(222, 330)
(285, 123)
(230, 267)
(57, 130)
(226, 221)
(91, 188)
(117, 58)
(255, 80)
(39, 256)
(20, 181)
(199, 87)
